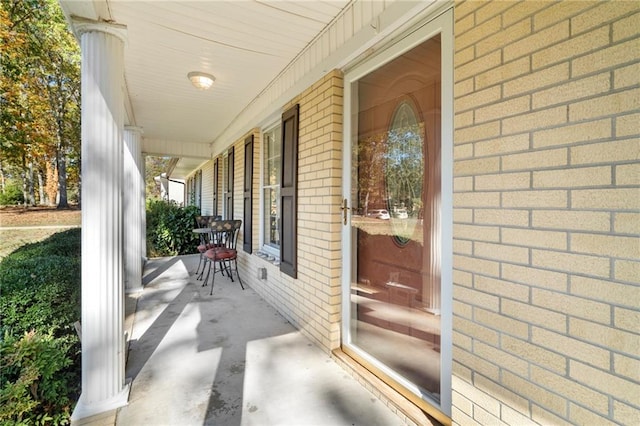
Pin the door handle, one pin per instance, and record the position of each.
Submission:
(344, 209)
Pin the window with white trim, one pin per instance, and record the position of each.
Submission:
(271, 168)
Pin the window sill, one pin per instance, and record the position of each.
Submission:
(274, 260)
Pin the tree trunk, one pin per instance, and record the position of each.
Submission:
(25, 178)
(42, 200)
(2, 182)
(32, 195)
(62, 182)
(25, 188)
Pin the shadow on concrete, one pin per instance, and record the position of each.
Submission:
(157, 266)
(143, 347)
(231, 359)
(230, 320)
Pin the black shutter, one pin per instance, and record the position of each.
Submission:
(192, 195)
(200, 190)
(229, 193)
(289, 193)
(215, 187)
(248, 194)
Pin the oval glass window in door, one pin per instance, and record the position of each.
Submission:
(404, 172)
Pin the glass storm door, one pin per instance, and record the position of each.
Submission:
(392, 321)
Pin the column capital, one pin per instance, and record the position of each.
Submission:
(135, 129)
(84, 25)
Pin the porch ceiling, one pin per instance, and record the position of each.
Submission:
(244, 44)
(184, 166)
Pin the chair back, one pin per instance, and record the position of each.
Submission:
(202, 221)
(225, 233)
(212, 219)
(205, 221)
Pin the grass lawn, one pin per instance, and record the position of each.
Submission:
(11, 217)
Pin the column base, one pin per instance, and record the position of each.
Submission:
(84, 410)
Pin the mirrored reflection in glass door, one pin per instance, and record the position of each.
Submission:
(395, 219)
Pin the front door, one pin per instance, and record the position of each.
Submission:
(392, 319)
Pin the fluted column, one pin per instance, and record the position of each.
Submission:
(103, 381)
(133, 213)
(143, 206)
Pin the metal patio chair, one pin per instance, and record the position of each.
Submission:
(202, 225)
(224, 236)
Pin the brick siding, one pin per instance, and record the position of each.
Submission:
(311, 302)
(546, 212)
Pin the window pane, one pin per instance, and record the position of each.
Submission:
(271, 217)
(272, 173)
(272, 157)
(273, 148)
(271, 187)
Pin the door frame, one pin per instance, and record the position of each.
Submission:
(443, 25)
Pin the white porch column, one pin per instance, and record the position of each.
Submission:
(103, 346)
(133, 209)
(143, 201)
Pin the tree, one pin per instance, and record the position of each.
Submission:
(63, 86)
(52, 183)
(39, 92)
(154, 166)
(15, 132)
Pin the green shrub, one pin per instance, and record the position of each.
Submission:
(170, 229)
(35, 380)
(40, 358)
(12, 195)
(39, 293)
(60, 244)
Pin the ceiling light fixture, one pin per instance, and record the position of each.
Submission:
(200, 80)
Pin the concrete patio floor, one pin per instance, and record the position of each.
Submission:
(229, 359)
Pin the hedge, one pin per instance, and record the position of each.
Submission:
(40, 302)
(170, 229)
(40, 351)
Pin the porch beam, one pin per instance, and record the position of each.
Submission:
(172, 148)
(103, 356)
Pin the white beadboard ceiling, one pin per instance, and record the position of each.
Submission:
(261, 53)
(245, 44)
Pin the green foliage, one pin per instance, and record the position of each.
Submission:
(40, 301)
(170, 229)
(37, 362)
(12, 195)
(37, 293)
(154, 166)
(39, 92)
(60, 244)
